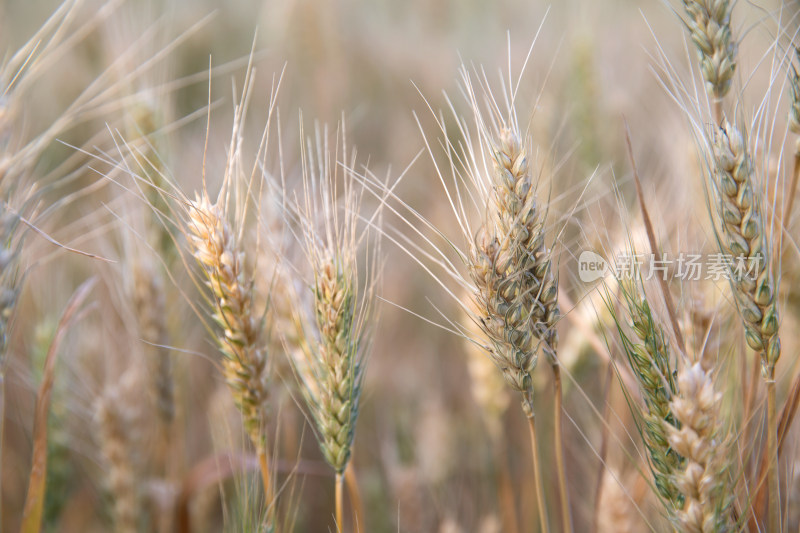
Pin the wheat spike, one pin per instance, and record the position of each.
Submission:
(334, 327)
(115, 445)
(332, 333)
(511, 268)
(339, 389)
(710, 28)
(744, 238)
(649, 359)
(245, 363)
(148, 299)
(701, 479)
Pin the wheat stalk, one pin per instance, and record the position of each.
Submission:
(742, 235)
(516, 289)
(697, 437)
(334, 334)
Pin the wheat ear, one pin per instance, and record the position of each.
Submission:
(649, 358)
(148, 298)
(743, 236)
(334, 335)
(701, 479)
(710, 28)
(516, 295)
(516, 290)
(245, 362)
(115, 446)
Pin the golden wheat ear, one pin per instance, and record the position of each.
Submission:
(218, 245)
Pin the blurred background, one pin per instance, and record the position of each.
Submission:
(428, 455)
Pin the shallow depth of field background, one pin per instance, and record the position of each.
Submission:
(422, 454)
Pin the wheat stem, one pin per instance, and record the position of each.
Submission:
(339, 501)
(263, 464)
(544, 528)
(351, 480)
(566, 519)
(774, 516)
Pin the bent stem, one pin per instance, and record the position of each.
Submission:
(772, 451)
(537, 471)
(351, 480)
(566, 519)
(339, 502)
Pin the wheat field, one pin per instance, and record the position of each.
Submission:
(426, 266)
